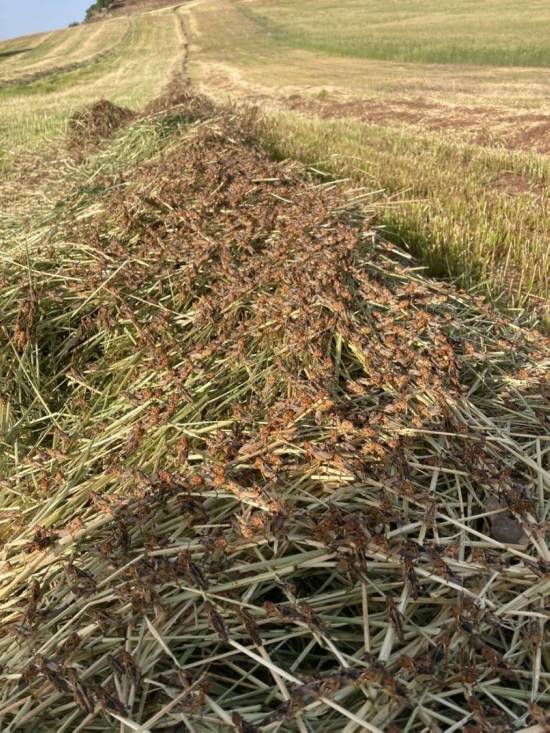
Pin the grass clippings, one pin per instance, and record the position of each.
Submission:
(96, 123)
(252, 460)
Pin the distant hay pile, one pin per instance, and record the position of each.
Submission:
(258, 473)
(95, 124)
(182, 102)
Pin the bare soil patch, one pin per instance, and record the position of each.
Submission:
(483, 125)
(515, 184)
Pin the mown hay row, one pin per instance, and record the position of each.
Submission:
(258, 473)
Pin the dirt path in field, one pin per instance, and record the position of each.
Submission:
(178, 78)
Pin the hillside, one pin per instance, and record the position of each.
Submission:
(103, 9)
(274, 407)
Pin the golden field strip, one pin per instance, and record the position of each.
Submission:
(128, 60)
(38, 55)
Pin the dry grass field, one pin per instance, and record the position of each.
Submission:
(128, 59)
(32, 57)
(274, 406)
(466, 143)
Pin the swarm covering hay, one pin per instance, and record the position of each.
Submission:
(248, 458)
(96, 123)
(183, 102)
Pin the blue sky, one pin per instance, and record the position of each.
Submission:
(19, 17)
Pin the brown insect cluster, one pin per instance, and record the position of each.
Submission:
(248, 461)
(94, 124)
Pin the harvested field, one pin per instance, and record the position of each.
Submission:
(403, 99)
(493, 127)
(34, 112)
(260, 473)
(45, 54)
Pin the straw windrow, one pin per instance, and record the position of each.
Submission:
(259, 472)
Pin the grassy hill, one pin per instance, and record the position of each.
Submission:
(264, 466)
(418, 31)
(129, 59)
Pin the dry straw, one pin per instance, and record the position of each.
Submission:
(259, 473)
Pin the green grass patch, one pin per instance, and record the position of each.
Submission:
(495, 32)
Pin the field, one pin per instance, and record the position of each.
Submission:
(464, 144)
(274, 406)
(425, 31)
(130, 57)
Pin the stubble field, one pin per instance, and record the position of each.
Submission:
(463, 138)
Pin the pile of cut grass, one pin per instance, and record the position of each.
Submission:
(94, 124)
(259, 473)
